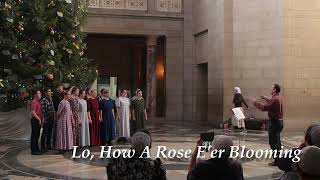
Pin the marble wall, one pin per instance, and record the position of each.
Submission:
(213, 45)
(301, 64)
(257, 48)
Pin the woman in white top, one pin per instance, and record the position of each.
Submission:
(84, 120)
(123, 114)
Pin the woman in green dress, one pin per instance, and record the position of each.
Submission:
(139, 113)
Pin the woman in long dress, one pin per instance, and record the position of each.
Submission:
(74, 103)
(85, 119)
(238, 100)
(107, 107)
(93, 107)
(139, 113)
(123, 113)
(64, 133)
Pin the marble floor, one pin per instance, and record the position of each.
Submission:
(17, 163)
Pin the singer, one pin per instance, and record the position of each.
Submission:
(275, 113)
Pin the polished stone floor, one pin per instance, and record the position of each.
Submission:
(17, 163)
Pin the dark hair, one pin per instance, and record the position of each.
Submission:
(305, 175)
(58, 85)
(36, 91)
(74, 89)
(81, 91)
(123, 90)
(88, 90)
(139, 90)
(66, 92)
(102, 90)
(46, 90)
(307, 136)
(277, 88)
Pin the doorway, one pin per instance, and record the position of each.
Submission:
(201, 81)
(121, 61)
(122, 64)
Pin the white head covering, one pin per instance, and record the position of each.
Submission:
(223, 142)
(139, 141)
(238, 90)
(310, 160)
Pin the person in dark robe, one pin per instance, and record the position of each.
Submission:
(238, 100)
(139, 113)
(94, 108)
(57, 97)
(107, 112)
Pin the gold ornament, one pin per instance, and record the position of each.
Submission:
(75, 45)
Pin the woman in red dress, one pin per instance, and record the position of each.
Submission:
(93, 105)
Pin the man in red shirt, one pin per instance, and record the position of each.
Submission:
(274, 108)
(36, 122)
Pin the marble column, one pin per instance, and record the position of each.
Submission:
(151, 75)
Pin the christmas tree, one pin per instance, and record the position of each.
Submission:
(38, 37)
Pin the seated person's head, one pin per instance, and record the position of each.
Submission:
(309, 165)
(312, 136)
(147, 132)
(139, 142)
(223, 142)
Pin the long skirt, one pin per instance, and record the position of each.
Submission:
(64, 134)
(108, 129)
(84, 130)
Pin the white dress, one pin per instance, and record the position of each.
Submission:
(123, 105)
(84, 129)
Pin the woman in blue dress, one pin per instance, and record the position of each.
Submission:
(107, 112)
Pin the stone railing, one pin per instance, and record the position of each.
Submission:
(169, 5)
(119, 4)
(161, 5)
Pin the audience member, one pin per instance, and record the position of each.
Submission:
(136, 168)
(216, 168)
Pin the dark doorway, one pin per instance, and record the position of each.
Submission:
(123, 57)
(202, 92)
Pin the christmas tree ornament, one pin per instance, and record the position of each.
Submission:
(14, 57)
(10, 20)
(51, 62)
(52, 52)
(60, 14)
(8, 6)
(51, 4)
(21, 28)
(8, 71)
(6, 52)
(69, 51)
(75, 45)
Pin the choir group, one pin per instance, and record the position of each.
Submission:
(74, 117)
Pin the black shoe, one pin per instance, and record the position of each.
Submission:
(44, 151)
(36, 153)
